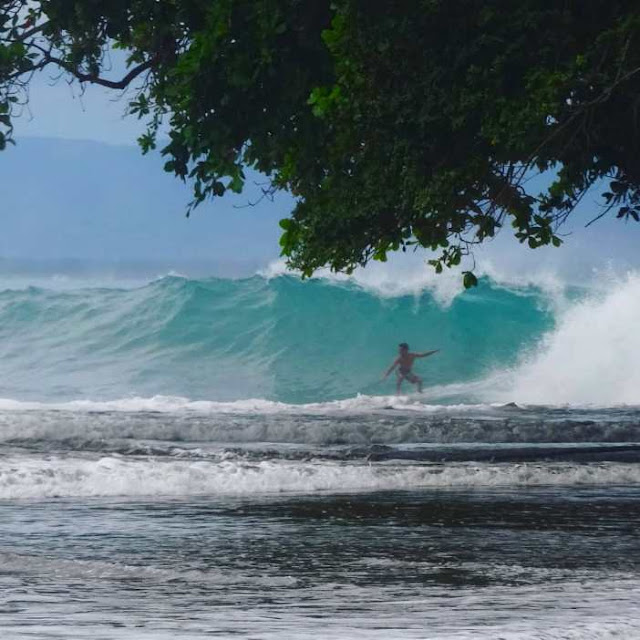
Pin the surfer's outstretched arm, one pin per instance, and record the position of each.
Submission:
(391, 368)
(426, 353)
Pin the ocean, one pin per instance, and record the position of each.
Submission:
(200, 458)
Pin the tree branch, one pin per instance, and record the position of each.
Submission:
(94, 79)
(33, 31)
(47, 58)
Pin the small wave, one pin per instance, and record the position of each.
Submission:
(145, 422)
(18, 563)
(173, 404)
(360, 403)
(35, 478)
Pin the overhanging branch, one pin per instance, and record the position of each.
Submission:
(95, 79)
(123, 83)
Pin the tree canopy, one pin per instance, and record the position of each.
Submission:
(404, 124)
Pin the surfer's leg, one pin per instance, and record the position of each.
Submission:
(398, 384)
(414, 379)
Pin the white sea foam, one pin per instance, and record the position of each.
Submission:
(412, 275)
(590, 358)
(499, 390)
(409, 277)
(87, 570)
(173, 404)
(55, 476)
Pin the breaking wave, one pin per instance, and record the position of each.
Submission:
(273, 342)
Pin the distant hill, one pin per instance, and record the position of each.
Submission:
(67, 202)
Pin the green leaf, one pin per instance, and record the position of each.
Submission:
(237, 183)
(469, 280)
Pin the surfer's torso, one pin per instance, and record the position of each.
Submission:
(405, 363)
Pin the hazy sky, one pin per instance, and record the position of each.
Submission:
(109, 203)
(77, 186)
(60, 110)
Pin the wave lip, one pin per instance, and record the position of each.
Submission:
(415, 277)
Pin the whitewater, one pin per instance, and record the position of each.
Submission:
(188, 458)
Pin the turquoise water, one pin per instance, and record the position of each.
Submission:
(218, 458)
(280, 339)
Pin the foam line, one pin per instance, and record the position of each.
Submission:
(37, 478)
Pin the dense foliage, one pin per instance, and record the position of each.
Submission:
(396, 124)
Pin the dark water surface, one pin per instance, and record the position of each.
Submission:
(530, 563)
(410, 522)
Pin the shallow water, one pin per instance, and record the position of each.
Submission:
(534, 563)
(136, 525)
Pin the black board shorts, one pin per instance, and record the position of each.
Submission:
(408, 375)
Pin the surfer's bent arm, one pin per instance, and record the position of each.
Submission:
(426, 353)
(391, 368)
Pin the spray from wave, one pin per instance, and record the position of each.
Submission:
(590, 357)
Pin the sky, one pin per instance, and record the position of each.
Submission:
(90, 201)
(59, 110)
(77, 187)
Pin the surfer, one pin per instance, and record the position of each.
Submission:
(404, 362)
